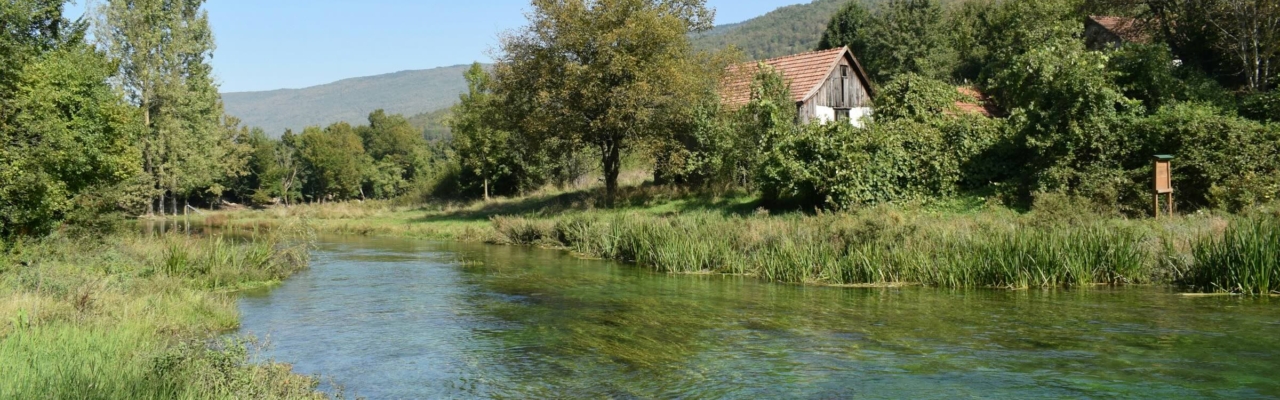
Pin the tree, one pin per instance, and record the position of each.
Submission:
(1231, 39)
(335, 161)
(481, 146)
(904, 36)
(1070, 112)
(600, 73)
(848, 27)
(163, 49)
(1251, 35)
(398, 153)
(70, 142)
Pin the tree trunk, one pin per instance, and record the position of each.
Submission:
(486, 189)
(612, 160)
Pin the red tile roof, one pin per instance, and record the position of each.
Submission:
(803, 72)
(1128, 29)
(976, 102)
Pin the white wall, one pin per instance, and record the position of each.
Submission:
(856, 116)
(825, 114)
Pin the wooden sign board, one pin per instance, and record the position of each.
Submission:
(1163, 182)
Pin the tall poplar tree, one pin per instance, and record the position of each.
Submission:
(163, 48)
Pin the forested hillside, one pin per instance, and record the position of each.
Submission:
(787, 30)
(348, 100)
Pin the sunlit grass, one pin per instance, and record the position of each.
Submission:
(137, 316)
(1245, 259)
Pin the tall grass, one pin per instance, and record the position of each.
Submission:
(847, 249)
(138, 316)
(1245, 259)
(878, 246)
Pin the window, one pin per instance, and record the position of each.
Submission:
(844, 87)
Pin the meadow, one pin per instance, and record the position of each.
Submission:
(141, 316)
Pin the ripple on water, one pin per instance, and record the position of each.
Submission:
(407, 319)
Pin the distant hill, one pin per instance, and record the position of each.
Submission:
(787, 30)
(424, 96)
(351, 100)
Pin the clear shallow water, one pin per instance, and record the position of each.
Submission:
(388, 318)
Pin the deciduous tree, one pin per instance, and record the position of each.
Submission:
(600, 73)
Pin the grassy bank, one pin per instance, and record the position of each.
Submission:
(139, 316)
(963, 243)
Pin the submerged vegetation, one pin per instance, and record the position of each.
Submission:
(140, 316)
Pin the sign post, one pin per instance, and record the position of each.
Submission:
(1164, 182)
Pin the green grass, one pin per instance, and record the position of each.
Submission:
(876, 247)
(1245, 259)
(139, 316)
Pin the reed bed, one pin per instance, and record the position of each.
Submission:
(1244, 259)
(139, 316)
(884, 246)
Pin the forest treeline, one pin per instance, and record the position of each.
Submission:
(130, 122)
(1076, 121)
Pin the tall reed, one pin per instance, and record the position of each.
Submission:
(1245, 259)
(850, 249)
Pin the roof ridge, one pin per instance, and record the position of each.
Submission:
(803, 54)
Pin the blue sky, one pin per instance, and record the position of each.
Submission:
(273, 44)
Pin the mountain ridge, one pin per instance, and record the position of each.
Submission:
(422, 94)
(407, 92)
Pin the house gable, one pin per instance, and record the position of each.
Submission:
(806, 73)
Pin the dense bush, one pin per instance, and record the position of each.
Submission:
(839, 166)
(1223, 161)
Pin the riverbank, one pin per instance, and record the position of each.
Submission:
(962, 243)
(140, 316)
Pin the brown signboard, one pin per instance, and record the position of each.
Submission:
(1163, 183)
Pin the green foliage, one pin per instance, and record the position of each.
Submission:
(103, 318)
(1262, 106)
(433, 124)
(335, 162)
(787, 30)
(163, 48)
(990, 34)
(1222, 161)
(487, 151)
(902, 36)
(1069, 113)
(838, 166)
(877, 246)
(569, 91)
(851, 26)
(915, 97)
(71, 140)
(399, 153)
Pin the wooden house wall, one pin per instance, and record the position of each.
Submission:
(836, 92)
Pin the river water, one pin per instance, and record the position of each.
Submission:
(390, 318)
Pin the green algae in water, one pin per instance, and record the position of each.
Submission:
(392, 318)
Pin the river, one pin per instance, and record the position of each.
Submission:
(391, 318)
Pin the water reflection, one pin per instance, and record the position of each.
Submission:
(396, 318)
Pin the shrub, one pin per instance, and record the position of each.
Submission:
(1222, 161)
(838, 166)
